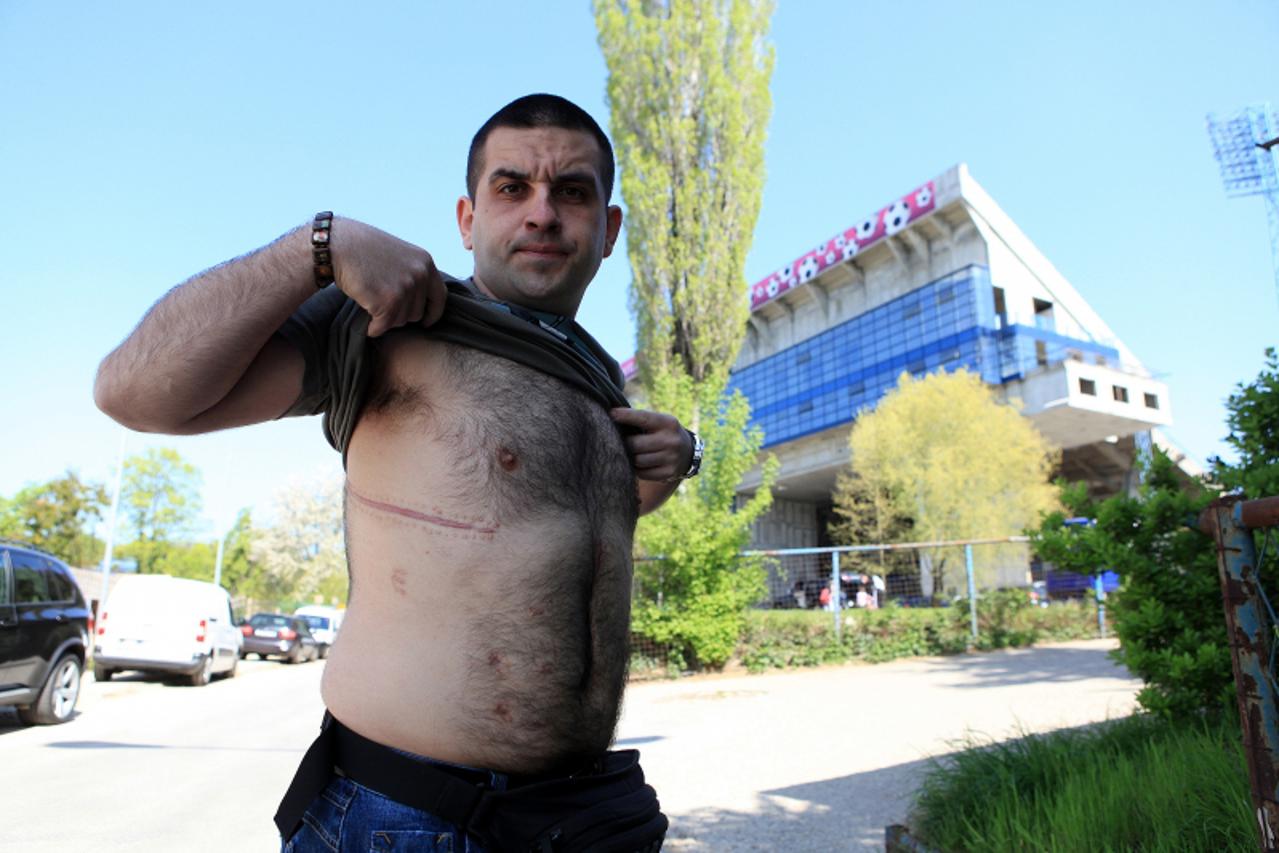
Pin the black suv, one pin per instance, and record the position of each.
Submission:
(44, 631)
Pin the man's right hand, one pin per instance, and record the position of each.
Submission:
(395, 281)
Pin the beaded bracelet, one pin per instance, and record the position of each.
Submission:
(323, 257)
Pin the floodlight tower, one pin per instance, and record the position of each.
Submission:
(1245, 144)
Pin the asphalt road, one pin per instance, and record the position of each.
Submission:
(809, 760)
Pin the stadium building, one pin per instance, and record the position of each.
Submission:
(940, 279)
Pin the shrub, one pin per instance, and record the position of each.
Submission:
(692, 595)
(1006, 618)
(775, 639)
(1167, 612)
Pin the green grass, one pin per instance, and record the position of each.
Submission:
(1135, 784)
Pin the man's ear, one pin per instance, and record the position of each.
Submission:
(465, 216)
(612, 227)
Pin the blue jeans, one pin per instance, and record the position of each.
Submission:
(350, 817)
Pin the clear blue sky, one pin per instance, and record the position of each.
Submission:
(142, 142)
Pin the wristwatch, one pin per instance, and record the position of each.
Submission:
(699, 448)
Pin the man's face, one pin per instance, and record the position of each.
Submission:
(539, 224)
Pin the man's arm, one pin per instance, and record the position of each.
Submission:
(203, 358)
(661, 451)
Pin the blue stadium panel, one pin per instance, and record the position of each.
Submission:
(947, 324)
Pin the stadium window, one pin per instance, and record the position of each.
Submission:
(1041, 353)
(1120, 393)
(1152, 401)
(1087, 386)
(1044, 315)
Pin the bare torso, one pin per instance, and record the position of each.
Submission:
(489, 517)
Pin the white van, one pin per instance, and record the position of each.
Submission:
(323, 622)
(155, 623)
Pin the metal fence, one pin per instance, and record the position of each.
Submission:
(912, 574)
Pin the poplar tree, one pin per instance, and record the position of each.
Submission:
(689, 102)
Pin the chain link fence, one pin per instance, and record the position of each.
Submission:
(844, 580)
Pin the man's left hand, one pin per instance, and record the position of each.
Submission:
(660, 449)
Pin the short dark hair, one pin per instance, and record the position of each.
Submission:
(539, 110)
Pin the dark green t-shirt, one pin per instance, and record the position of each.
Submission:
(331, 332)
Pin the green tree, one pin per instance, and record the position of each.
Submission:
(196, 560)
(1168, 611)
(694, 594)
(242, 573)
(302, 552)
(958, 462)
(1252, 414)
(869, 513)
(56, 517)
(689, 102)
(160, 497)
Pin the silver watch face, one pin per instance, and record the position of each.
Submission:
(699, 447)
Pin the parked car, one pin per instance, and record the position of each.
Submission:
(44, 635)
(324, 623)
(165, 625)
(275, 634)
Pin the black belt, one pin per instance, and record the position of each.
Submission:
(607, 809)
(452, 793)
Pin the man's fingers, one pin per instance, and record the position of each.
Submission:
(436, 295)
(646, 421)
(647, 442)
(652, 460)
(417, 306)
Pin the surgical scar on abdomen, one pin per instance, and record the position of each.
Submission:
(434, 520)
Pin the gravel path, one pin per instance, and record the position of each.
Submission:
(823, 759)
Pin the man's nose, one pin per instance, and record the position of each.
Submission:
(541, 213)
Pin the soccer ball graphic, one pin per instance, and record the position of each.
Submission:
(808, 268)
(924, 197)
(774, 284)
(850, 251)
(830, 258)
(841, 241)
(896, 217)
(821, 248)
(867, 229)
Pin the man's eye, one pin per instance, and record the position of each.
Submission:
(508, 189)
(574, 193)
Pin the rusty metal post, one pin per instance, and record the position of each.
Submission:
(1250, 647)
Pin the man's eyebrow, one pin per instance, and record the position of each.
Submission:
(503, 172)
(582, 177)
(574, 177)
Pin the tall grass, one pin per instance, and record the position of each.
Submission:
(1135, 784)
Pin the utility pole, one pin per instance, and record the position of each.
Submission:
(111, 525)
